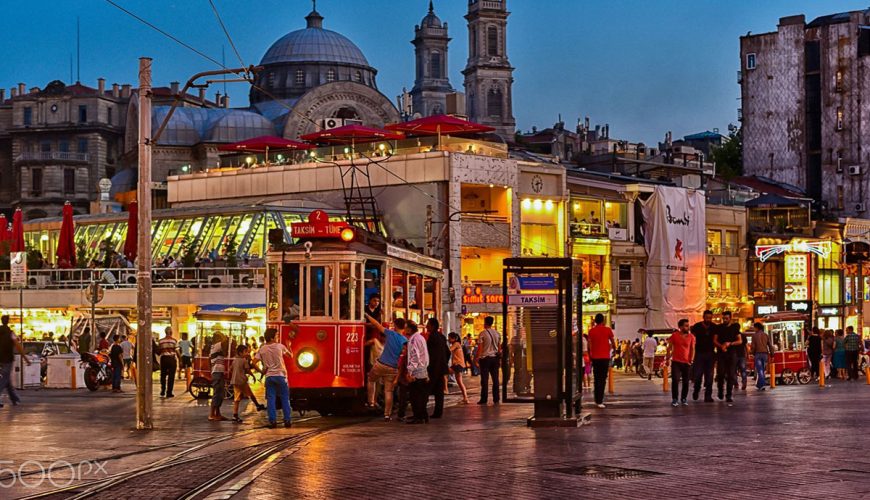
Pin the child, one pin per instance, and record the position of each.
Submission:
(457, 363)
(239, 378)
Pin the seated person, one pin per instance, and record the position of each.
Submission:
(291, 310)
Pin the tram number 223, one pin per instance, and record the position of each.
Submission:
(351, 337)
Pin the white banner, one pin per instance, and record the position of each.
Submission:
(675, 237)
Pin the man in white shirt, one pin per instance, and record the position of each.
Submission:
(418, 373)
(271, 356)
(649, 354)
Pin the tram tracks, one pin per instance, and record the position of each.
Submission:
(184, 476)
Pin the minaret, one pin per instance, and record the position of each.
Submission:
(431, 84)
(488, 74)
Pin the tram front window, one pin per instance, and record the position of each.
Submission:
(344, 290)
(398, 288)
(319, 291)
(290, 289)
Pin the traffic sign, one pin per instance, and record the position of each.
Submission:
(94, 292)
(18, 268)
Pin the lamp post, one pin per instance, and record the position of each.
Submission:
(144, 373)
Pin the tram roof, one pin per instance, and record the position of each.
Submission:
(373, 246)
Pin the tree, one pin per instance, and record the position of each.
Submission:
(729, 156)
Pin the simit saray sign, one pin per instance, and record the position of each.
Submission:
(676, 243)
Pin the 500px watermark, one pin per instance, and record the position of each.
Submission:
(60, 473)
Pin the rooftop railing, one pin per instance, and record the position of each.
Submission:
(51, 156)
(120, 278)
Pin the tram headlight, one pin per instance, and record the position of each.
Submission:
(306, 359)
(347, 234)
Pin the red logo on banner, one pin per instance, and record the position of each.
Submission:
(318, 226)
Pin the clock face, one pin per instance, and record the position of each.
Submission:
(537, 184)
(54, 108)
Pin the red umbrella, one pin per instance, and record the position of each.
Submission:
(131, 244)
(17, 235)
(350, 134)
(66, 243)
(439, 124)
(263, 144)
(4, 228)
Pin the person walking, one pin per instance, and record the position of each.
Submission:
(741, 364)
(116, 355)
(168, 363)
(649, 354)
(457, 363)
(271, 356)
(439, 364)
(386, 368)
(814, 351)
(854, 347)
(127, 355)
(418, 373)
(217, 356)
(704, 357)
(840, 355)
(727, 339)
(681, 352)
(241, 368)
(761, 349)
(9, 344)
(487, 358)
(185, 349)
(601, 341)
(827, 351)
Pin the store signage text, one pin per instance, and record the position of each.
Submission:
(799, 306)
(483, 299)
(318, 226)
(533, 300)
(767, 309)
(820, 248)
(829, 311)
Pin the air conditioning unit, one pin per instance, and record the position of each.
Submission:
(220, 280)
(860, 207)
(854, 169)
(328, 123)
(38, 281)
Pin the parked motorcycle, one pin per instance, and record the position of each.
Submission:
(98, 370)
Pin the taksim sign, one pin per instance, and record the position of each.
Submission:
(318, 226)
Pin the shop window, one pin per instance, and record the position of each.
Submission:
(539, 239)
(714, 284)
(714, 242)
(586, 218)
(829, 287)
(69, 181)
(731, 243)
(615, 214)
(732, 284)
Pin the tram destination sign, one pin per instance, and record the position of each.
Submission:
(318, 226)
(536, 300)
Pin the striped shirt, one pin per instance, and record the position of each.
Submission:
(217, 358)
(167, 346)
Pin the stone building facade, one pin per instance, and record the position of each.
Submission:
(432, 82)
(806, 107)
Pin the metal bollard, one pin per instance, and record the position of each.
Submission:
(664, 378)
(72, 374)
(822, 375)
(610, 380)
(867, 374)
(772, 374)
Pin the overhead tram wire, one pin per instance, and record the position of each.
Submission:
(227, 33)
(244, 74)
(299, 114)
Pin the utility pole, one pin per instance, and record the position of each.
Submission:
(429, 243)
(144, 373)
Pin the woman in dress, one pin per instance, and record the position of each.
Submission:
(457, 363)
(840, 355)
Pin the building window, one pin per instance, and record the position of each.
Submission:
(83, 114)
(109, 118)
(270, 80)
(69, 181)
(714, 284)
(839, 81)
(45, 147)
(765, 280)
(492, 41)
(28, 116)
(750, 60)
(435, 65)
(63, 146)
(731, 243)
(358, 77)
(829, 287)
(539, 239)
(586, 218)
(36, 182)
(714, 242)
(624, 273)
(300, 77)
(330, 76)
(83, 145)
(732, 284)
(840, 118)
(494, 103)
(473, 43)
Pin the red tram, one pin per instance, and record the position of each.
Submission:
(317, 291)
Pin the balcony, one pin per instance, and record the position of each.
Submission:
(485, 233)
(51, 156)
(162, 278)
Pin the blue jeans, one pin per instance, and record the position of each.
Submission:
(276, 386)
(741, 369)
(760, 369)
(117, 373)
(6, 381)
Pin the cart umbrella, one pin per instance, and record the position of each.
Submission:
(4, 232)
(263, 144)
(131, 245)
(350, 134)
(439, 124)
(66, 244)
(17, 236)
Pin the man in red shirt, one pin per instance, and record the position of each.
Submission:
(601, 341)
(681, 352)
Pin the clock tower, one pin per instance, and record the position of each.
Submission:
(488, 73)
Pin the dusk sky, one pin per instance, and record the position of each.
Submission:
(644, 67)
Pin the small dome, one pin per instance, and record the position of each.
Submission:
(431, 20)
(314, 44)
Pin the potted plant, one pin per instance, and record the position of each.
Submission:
(188, 257)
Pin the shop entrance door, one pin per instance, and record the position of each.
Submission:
(541, 361)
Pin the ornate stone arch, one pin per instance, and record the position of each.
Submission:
(328, 100)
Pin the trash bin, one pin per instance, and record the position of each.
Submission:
(60, 373)
(26, 376)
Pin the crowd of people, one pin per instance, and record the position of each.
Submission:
(695, 352)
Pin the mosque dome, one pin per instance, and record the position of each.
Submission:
(314, 44)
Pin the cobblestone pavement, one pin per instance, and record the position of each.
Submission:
(792, 442)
